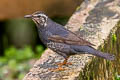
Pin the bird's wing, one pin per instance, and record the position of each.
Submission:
(72, 39)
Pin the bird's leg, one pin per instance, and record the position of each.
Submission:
(60, 68)
(64, 62)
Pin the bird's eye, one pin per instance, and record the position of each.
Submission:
(39, 15)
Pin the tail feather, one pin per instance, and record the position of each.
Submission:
(90, 50)
(104, 55)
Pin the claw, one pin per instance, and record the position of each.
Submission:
(64, 63)
(57, 69)
(60, 68)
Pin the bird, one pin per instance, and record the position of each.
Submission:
(63, 41)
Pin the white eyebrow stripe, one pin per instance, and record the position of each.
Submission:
(43, 15)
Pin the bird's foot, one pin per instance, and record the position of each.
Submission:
(57, 69)
(60, 68)
(64, 63)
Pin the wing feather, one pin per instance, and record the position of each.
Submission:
(71, 39)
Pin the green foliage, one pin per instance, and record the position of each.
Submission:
(39, 49)
(19, 55)
(114, 38)
(16, 62)
(117, 77)
(61, 20)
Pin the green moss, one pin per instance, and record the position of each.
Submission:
(100, 69)
(78, 8)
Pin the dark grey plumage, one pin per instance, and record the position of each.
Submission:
(61, 40)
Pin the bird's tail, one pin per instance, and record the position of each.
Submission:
(91, 50)
(104, 55)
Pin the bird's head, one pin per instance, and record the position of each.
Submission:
(39, 18)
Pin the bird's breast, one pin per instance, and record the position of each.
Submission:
(44, 34)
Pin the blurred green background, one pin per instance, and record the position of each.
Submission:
(20, 46)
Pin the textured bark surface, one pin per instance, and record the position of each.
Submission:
(94, 21)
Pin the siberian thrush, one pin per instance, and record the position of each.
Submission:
(61, 40)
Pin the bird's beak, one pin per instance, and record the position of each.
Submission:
(28, 16)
